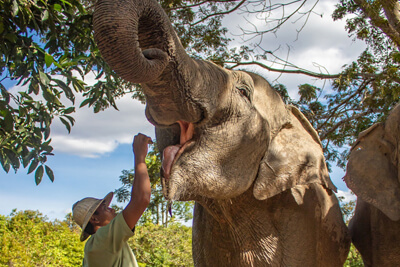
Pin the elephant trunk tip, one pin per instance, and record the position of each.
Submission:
(116, 32)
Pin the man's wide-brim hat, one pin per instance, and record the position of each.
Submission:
(83, 210)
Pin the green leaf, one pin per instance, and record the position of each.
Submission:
(66, 124)
(49, 173)
(33, 166)
(4, 163)
(34, 87)
(14, 11)
(46, 133)
(57, 7)
(71, 119)
(69, 110)
(48, 59)
(39, 175)
(85, 102)
(66, 89)
(27, 159)
(8, 121)
(13, 158)
(45, 15)
(44, 78)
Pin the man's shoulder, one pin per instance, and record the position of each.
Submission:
(115, 230)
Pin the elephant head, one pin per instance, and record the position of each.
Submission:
(373, 167)
(221, 131)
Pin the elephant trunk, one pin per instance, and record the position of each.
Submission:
(134, 56)
(138, 41)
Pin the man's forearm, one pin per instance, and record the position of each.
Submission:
(141, 190)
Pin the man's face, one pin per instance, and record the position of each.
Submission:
(104, 214)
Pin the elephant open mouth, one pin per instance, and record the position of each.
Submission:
(172, 153)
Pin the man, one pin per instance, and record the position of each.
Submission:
(108, 231)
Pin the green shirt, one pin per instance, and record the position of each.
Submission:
(108, 247)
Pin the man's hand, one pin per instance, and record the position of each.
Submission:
(140, 147)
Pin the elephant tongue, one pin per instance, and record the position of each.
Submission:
(170, 152)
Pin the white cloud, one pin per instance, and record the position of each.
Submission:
(97, 134)
(348, 195)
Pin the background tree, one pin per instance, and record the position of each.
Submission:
(28, 239)
(159, 211)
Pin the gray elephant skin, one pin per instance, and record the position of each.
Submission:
(373, 175)
(254, 166)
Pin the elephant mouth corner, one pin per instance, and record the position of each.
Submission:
(172, 153)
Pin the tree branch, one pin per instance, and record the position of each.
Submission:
(345, 101)
(341, 122)
(298, 71)
(200, 3)
(378, 21)
(219, 13)
(392, 13)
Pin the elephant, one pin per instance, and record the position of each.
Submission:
(373, 175)
(254, 166)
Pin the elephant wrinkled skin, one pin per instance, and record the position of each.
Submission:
(254, 166)
(373, 175)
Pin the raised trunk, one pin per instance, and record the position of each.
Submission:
(138, 41)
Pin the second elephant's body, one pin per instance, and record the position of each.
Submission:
(376, 236)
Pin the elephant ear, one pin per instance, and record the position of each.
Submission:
(294, 158)
(372, 169)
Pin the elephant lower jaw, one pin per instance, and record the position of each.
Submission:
(172, 153)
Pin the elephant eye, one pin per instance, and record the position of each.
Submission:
(244, 92)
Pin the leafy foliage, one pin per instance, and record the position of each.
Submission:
(28, 239)
(158, 209)
(156, 245)
(47, 47)
(354, 258)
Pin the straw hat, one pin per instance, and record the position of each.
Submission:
(83, 210)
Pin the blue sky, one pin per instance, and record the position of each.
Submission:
(89, 161)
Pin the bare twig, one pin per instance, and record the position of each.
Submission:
(219, 13)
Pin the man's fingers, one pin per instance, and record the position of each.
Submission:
(143, 138)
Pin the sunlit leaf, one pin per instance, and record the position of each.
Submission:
(57, 7)
(45, 15)
(48, 59)
(44, 78)
(14, 8)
